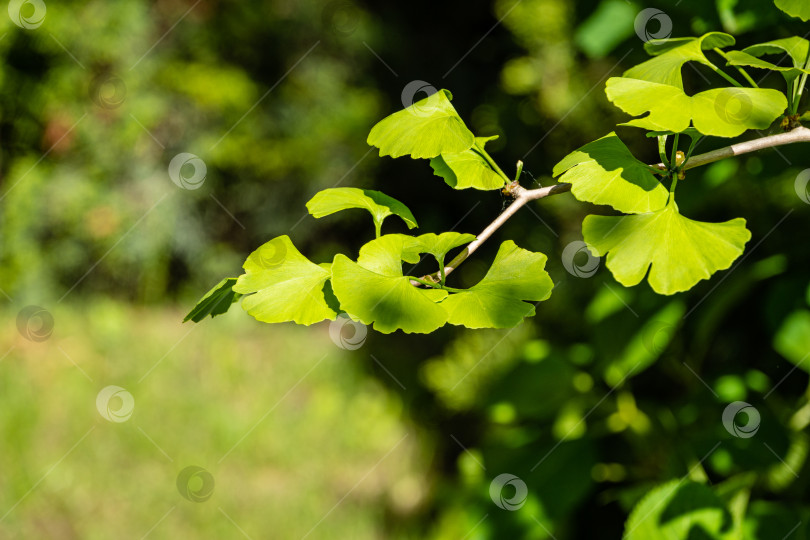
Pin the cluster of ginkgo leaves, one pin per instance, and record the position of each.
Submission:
(652, 238)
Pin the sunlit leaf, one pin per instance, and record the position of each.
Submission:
(380, 205)
(605, 172)
(681, 251)
(215, 302)
(795, 8)
(374, 289)
(283, 285)
(423, 130)
(468, 169)
(722, 112)
(680, 510)
(796, 47)
(497, 301)
(438, 245)
(672, 54)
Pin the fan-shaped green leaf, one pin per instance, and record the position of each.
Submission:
(424, 130)
(215, 302)
(795, 8)
(374, 289)
(722, 112)
(796, 47)
(468, 169)
(672, 54)
(438, 245)
(380, 205)
(680, 510)
(497, 301)
(605, 172)
(681, 251)
(283, 285)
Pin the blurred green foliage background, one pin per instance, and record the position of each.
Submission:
(607, 393)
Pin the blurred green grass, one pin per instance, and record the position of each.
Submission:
(297, 440)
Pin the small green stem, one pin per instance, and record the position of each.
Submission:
(674, 184)
(674, 159)
(725, 75)
(519, 170)
(491, 162)
(798, 92)
(739, 68)
(692, 147)
(442, 275)
(430, 284)
(434, 285)
(662, 149)
(377, 229)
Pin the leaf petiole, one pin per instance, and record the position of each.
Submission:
(674, 160)
(723, 74)
(492, 163)
(797, 97)
(739, 68)
(434, 285)
(662, 149)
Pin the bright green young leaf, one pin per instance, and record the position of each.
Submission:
(374, 289)
(438, 245)
(605, 172)
(680, 250)
(672, 54)
(798, 49)
(424, 130)
(497, 301)
(795, 8)
(380, 205)
(722, 112)
(215, 302)
(468, 169)
(283, 285)
(740, 58)
(680, 510)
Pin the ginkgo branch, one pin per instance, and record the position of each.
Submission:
(523, 196)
